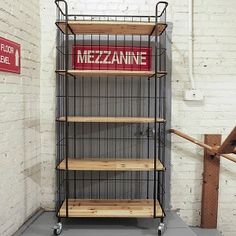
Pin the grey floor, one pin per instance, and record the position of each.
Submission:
(109, 227)
(205, 232)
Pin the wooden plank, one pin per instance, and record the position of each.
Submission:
(118, 73)
(229, 157)
(228, 146)
(210, 183)
(104, 119)
(111, 164)
(193, 140)
(111, 27)
(201, 144)
(92, 73)
(110, 208)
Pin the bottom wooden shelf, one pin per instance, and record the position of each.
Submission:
(141, 208)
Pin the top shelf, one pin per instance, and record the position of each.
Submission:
(112, 27)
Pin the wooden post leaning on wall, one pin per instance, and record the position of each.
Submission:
(210, 187)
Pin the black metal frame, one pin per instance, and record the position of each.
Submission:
(72, 98)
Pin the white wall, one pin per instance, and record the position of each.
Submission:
(47, 102)
(215, 72)
(20, 117)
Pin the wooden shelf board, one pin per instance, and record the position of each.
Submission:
(101, 164)
(111, 27)
(104, 119)
(118, 73)
(110, 208)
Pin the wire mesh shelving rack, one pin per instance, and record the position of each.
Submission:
(110, 124)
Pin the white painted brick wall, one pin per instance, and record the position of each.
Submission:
(20, 117)
(215, 72)
(47, 103)
(214, 61)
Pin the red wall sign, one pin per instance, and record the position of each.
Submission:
(9, 56)
(111, 58)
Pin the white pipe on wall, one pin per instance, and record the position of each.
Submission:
(190, 43)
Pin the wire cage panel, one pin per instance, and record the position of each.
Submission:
(125, 95)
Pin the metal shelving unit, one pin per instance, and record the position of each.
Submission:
(111, 120)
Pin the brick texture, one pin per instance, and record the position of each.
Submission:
(20, 117)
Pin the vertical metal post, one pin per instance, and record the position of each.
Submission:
(155, 124)
(99, 125)
(160, 113)
(74, 56)
(66, 102)
(148, 133)
(107, 125)
(58, 125)
(162, 108)
(91, 124)
(131, 114)
(164, 114)
(83, 125)
(115, 116)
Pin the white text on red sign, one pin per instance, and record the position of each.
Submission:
(9, 56)
(111, 57)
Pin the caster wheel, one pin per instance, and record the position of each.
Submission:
(57, 229)
(161, 229)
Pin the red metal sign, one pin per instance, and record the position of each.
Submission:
(111, 58)
(9, 56)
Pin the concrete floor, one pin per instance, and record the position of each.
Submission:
(41, 225)
(105, 227)
(205, 232)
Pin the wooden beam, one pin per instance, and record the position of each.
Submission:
(228, 146)
(203, 145)
(230, 158)
(193, 140)
(210, 185)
